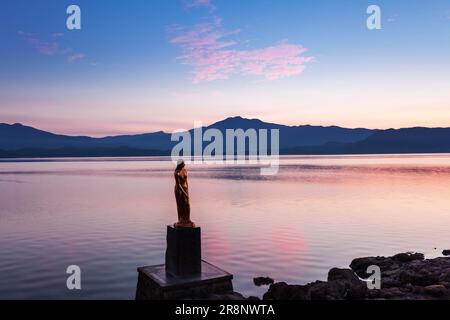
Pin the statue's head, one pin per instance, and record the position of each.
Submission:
(180, 164)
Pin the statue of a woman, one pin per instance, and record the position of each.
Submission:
(182, 196)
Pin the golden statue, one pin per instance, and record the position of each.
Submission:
(182, 197)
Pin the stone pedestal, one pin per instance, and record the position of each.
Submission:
(184, 251)
(154, 283)
(185, 275)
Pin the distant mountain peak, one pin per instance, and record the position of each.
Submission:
(239, 118)
(12, 125)
(234, 118)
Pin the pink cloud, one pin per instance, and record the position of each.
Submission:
(51, 47)
(210, 51)
(44, 47)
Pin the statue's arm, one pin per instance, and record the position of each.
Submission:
(187, 184)
(184, 191)
(177, 178)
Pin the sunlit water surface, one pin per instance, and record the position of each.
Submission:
(109, 216)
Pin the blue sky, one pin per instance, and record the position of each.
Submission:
(161, 64)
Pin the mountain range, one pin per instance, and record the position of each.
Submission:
(17, 140)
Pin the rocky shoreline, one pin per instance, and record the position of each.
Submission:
(405, 276)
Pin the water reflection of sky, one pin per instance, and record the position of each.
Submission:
(109, 216)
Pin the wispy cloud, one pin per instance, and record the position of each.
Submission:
(71, 58)
(51, 46)
(393, 18)
(189, 4)
(210, 50)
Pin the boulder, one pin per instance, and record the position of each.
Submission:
(445, 276)
(437, 290)
(283, 291)
(408, 257)
(342, 274)
(354, 288)
(360, 265)
(332, 290)
(420, 278)
(263, 281)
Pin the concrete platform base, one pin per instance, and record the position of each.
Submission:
(154, 283)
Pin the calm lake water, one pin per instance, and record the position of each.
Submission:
(109, 216)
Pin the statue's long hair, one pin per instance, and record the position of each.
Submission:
(180, 166)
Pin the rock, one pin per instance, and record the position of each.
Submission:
(283, 291)
(263, 281)
(374, 294)
(408, 257)
(342, 284)
(301, 292)
(342, 274)
(405, 276)
(357, 291)
(446, 253)
(420, 278)
(437, 290)
(392, 294)
(332, 290)
(445, 276)
(279, 291)
(360, 265)
(391, 282)
(354, 288)
(418, 290)
(409, 287)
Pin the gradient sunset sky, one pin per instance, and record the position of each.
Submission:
(142, 66)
